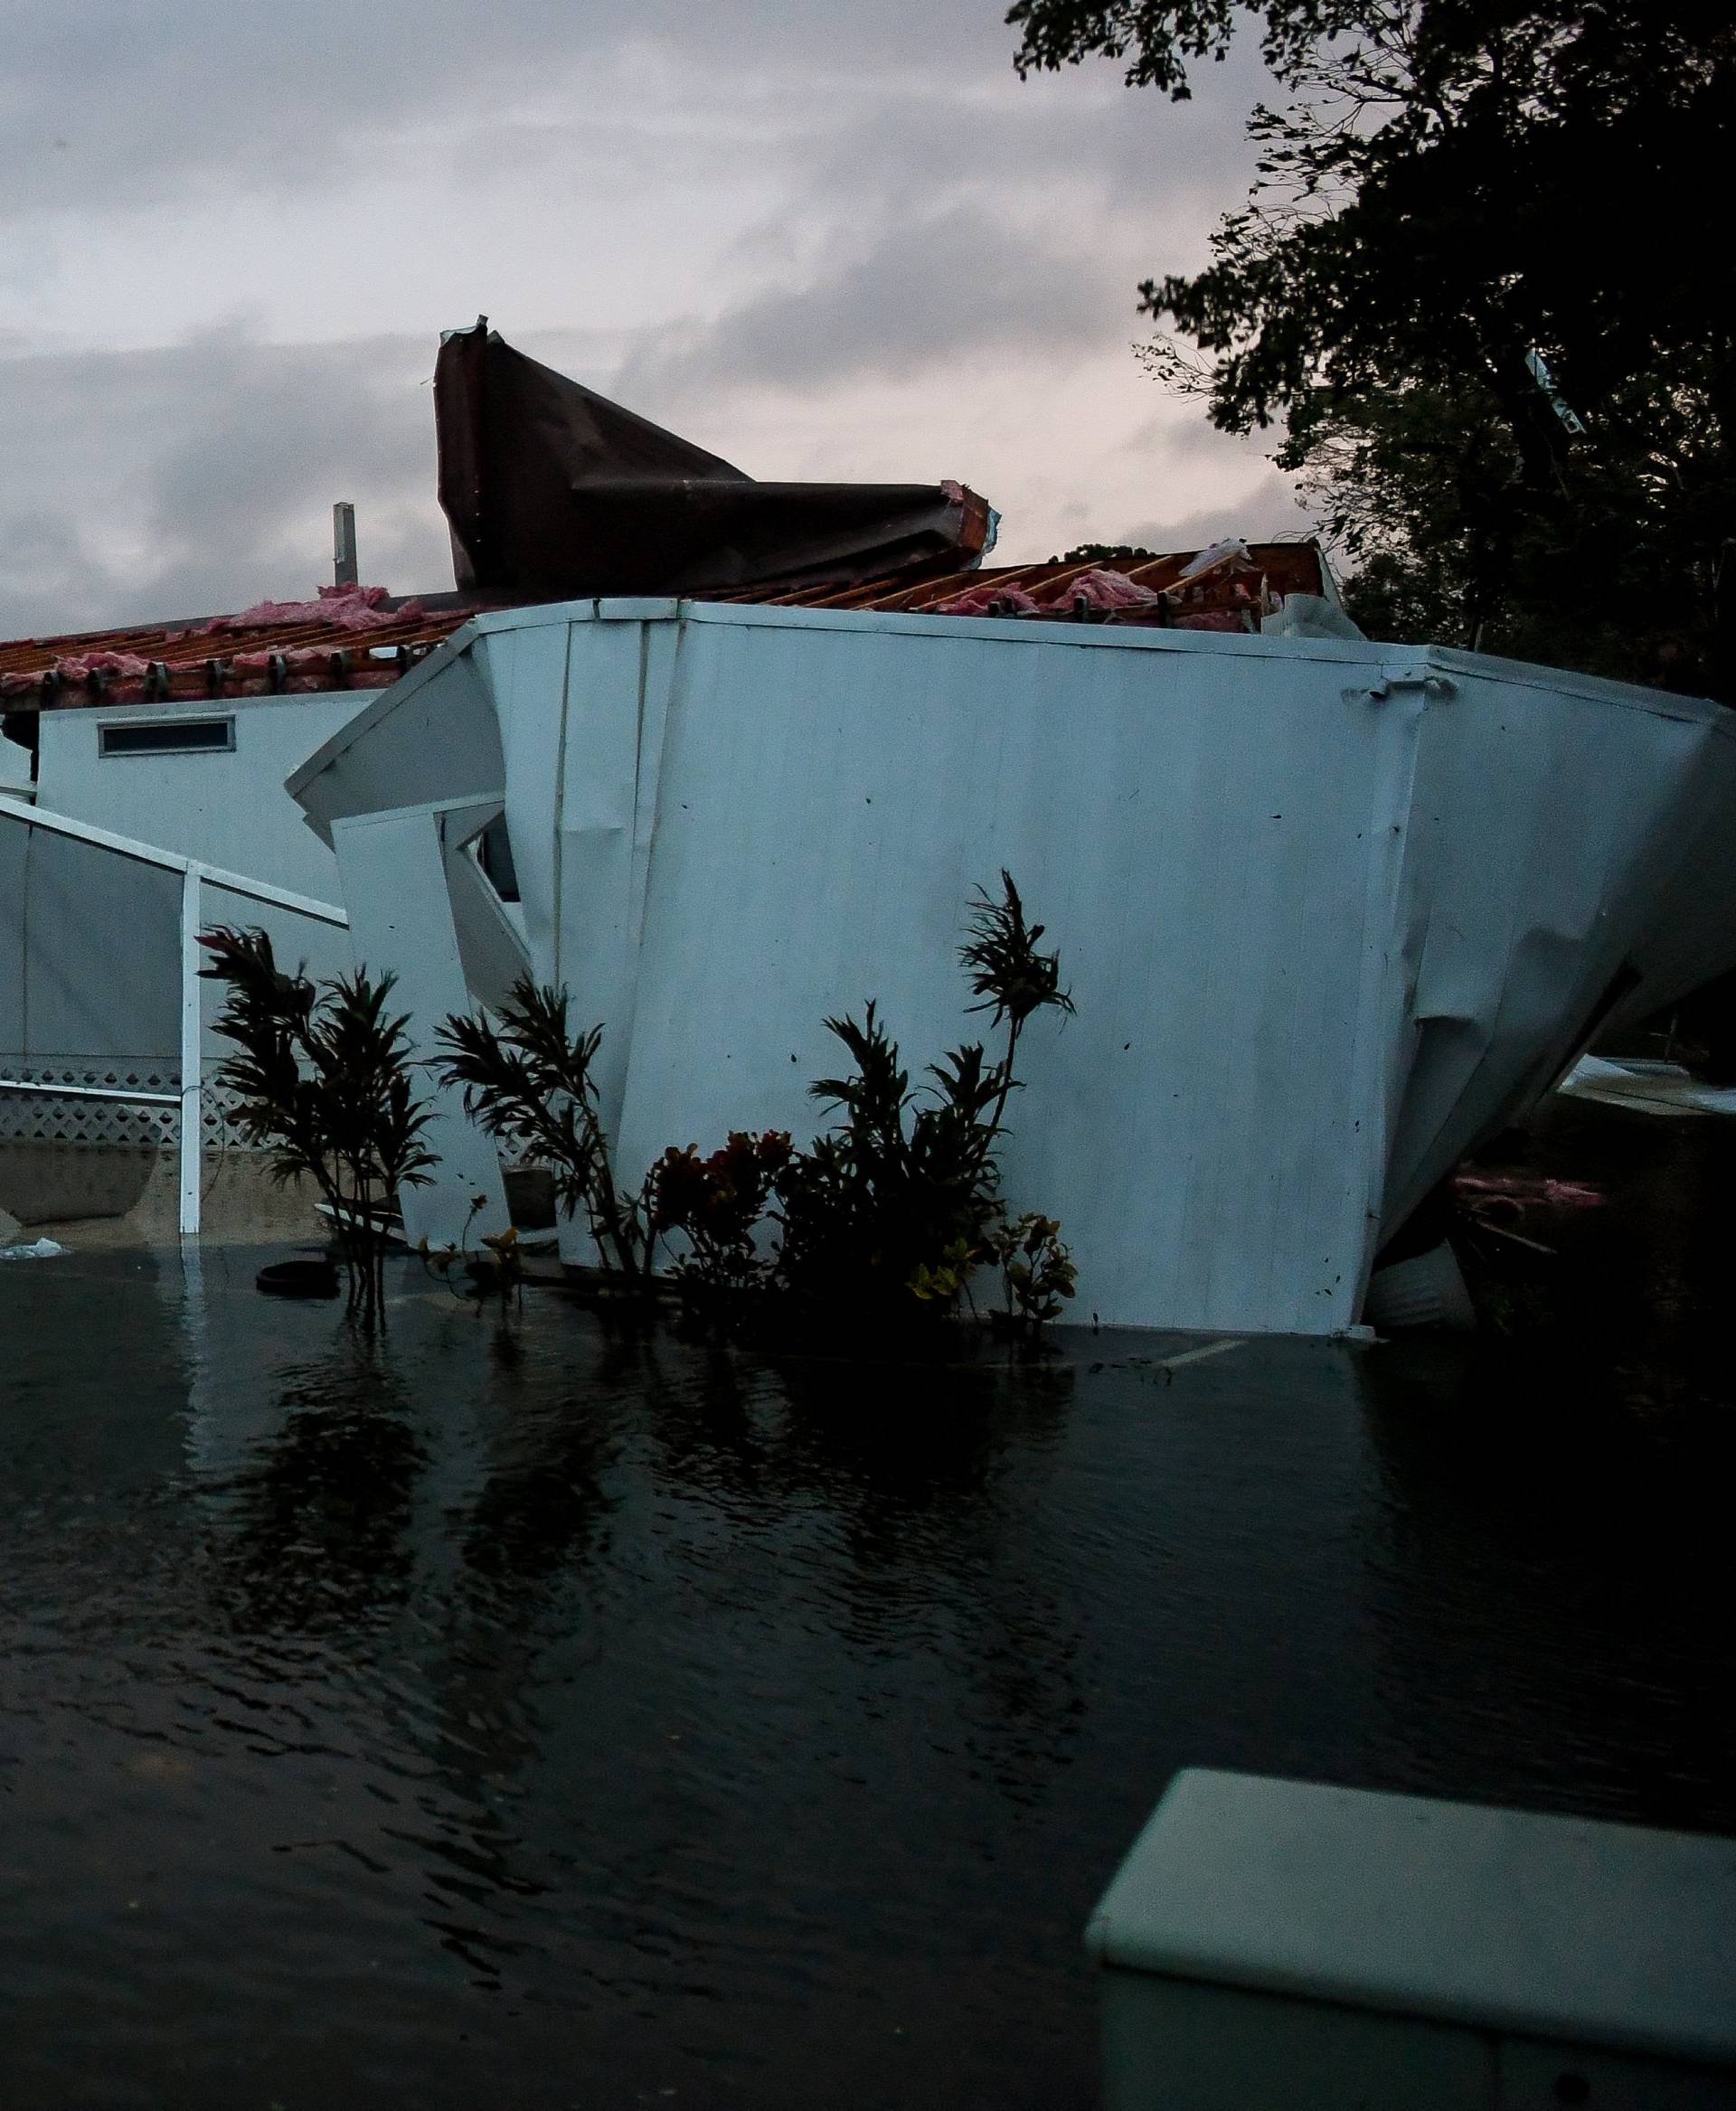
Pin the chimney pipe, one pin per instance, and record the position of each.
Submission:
(343, 569)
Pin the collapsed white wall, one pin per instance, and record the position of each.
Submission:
(1329, 910)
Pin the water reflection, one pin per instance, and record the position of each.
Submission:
(541, 1507)
(531, 1714)
(316, 1531)
(1530, 1521)
(909, 1487)
(892, 1449)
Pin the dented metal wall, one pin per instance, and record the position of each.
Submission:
(1329, 910)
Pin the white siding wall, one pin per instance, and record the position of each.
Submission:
(1330, 910)
(227, 809)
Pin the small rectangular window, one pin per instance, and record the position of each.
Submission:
(494, 855)
(167, 737)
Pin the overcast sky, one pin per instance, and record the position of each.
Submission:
(837, 239)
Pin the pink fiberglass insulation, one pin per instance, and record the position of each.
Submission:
(342, 608)
(1527, 1187)
(76, 668)
(301, 655)
(1232, 552)
(989, 599)
(1103, 589)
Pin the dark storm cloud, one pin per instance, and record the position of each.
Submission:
(944, 219)
(115, 104)
(907, 209)
(908, 141)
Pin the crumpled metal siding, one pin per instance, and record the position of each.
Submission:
(1325, 920)
(1569, 843)
(414, 742)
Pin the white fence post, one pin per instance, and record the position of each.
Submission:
(191, 1053)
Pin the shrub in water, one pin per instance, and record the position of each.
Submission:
(891, 1212)
(527, 1079)
(322, 1081)
(885, 1217)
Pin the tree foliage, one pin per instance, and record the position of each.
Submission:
(1452, 187)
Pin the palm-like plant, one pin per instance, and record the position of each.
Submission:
(899, 1201)
(526, 1077)
(892, 1203)
(323, 1083)
(887, 1214)
(1009, 977)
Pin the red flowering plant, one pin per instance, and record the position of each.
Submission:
(716, 1203)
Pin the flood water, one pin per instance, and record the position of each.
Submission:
(517, 1716)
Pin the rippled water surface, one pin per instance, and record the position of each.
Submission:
(524, 1716)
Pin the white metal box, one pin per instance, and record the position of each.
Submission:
(1274, 1945)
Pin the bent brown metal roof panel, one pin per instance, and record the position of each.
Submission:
(553, 493)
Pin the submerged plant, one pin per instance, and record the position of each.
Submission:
(1037, 1271)
(527, 1078)
(323, 1082)
(894, 1208)
(495, 1268)
(886, 1211)
(718, 1204)
(886, 1215)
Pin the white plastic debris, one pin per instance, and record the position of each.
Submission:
(1654, 1087)
(44, 1249)
(1427, 1290)
(1309, 616)
(1231, 550)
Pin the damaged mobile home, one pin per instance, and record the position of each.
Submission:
(1332, 911)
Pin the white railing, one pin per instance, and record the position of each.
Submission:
(195, 878)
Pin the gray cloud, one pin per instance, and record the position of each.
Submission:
(900, 210)
(1041, 147)
(191, 480)
(115, 108)
(1190, 436)
(955, 285)
(115, 104)
(1269, 513)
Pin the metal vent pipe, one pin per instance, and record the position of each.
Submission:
(344, 567)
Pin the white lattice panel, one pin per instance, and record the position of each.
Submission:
(39, 1116)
